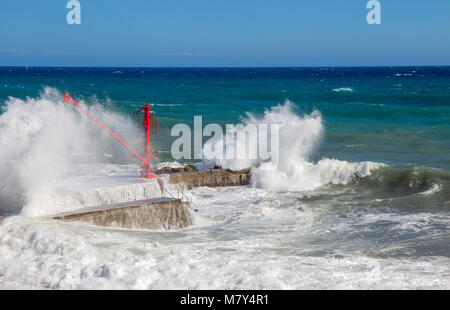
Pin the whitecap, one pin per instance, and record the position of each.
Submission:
(343, 89)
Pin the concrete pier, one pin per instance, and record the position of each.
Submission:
(210, 178)
(154, 211)
(158, 213)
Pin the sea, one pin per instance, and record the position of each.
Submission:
(360, 198)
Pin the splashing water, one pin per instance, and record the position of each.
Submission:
(299, 136)
(44, 140)
(383, 228)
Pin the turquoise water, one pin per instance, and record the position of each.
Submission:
(362, 225)
(389, 115)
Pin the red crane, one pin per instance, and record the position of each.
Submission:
(150, 124)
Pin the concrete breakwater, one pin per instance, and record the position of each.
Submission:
(211, 178)
(143, 205)
(158, 213)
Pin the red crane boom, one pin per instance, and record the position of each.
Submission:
(150, 125)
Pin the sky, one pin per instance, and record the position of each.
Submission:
(224, 33)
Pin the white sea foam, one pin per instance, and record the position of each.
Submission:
(43, 140)
(403, 74)
(435, 188)
(343, 89)
(249, 239)
(302, 175)
(101, 191)
(299, 137)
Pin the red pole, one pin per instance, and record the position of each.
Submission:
(145, 160)
(147, 126)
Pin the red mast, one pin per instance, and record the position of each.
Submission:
(150, 124)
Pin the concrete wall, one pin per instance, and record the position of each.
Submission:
(212, 178)
(160, 213)
(112, 193)
(156, 213)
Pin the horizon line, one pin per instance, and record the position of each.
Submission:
(225, 67)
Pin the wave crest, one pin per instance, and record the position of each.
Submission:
(42, 140)
(343, 89)
(299, 136)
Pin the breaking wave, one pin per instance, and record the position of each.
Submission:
(408, 181)
(43, 140)
(299, 136)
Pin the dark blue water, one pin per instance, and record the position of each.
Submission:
(395, 115)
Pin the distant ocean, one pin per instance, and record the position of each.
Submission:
(360, 200)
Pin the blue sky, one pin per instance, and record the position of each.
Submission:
(224, 33)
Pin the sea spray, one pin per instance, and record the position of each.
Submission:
(43, 140)
(299, 137)
(301, 175)
(295, 132)
(389, 230)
